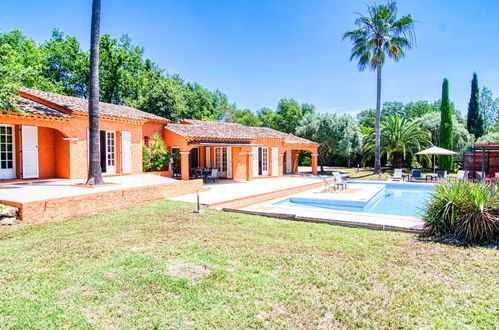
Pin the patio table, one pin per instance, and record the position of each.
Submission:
(431, 177)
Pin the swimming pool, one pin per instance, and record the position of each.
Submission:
(393, 199)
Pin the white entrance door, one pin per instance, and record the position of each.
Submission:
(275, 161)
(126, 152)
(288, 161)
(7, 154)
(110, 152)
(264, 161)
(221, 161)
(30, 151)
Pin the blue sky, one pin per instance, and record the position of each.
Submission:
(260, 51)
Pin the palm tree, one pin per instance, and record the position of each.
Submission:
(400, 138)
(94, 167)
(380, 34)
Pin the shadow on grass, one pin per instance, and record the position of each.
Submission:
(450, 240)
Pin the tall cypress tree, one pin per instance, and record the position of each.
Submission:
(446, 129)
(475, 123)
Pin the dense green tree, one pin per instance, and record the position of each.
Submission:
(489, 106)
(349, 137)
(288, 115)
(401, 138)
(411, 110)
(203, 104)
(419, 108)
(339, 136)
(21, 65)
(307, 108)
(380, 34)
(66, 66)
(461, 138)
(475, 118)
(120, 64)
(165, 97)
(10, 72)
(491, 137)
(445, 162)
(267, 117)
(367, 118)
(244, 117)
(393, 108)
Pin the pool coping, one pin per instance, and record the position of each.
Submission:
(342, 216)
(343, 223)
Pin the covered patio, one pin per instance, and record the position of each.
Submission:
(235, 151)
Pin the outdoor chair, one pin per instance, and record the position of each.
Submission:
(462, 175)
(442, 175)
(416, 175)
(213, 176)
(339, 182)
(397, 175)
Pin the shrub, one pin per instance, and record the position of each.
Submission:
(155, 156)
(306, 161)
(464, 210)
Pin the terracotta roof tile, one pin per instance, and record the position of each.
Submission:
(36, 108)
(230, 131)
(81, 105)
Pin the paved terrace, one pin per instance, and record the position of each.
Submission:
(22, 193)
(60, 199)
(259, 196)
(227, 190)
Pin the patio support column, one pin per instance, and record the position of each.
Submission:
(246, 155)
(294, 161)
(184, 165)
(249, 166)
(314, 163)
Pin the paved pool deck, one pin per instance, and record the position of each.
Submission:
(29, 192)
(274, 190)
(227, 190)
(356, 219)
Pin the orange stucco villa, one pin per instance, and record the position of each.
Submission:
(48, 139)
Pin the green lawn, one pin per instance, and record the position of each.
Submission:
(120, 270)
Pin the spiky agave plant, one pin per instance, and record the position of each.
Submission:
(479, 214)
(442, 211)
(465, 210)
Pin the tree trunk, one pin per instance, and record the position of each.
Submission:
(94, 167)
(397, 158)
(321, 160)
(377, 155)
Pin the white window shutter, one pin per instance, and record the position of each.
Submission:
(126, 152)
(275, 161)
(288, 161)
(229, 162)
(255, 161)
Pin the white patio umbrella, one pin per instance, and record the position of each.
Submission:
(436, 151)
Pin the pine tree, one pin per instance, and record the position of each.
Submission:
(475, 123)
(446, 129)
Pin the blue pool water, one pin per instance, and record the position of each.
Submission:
(393, 199)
